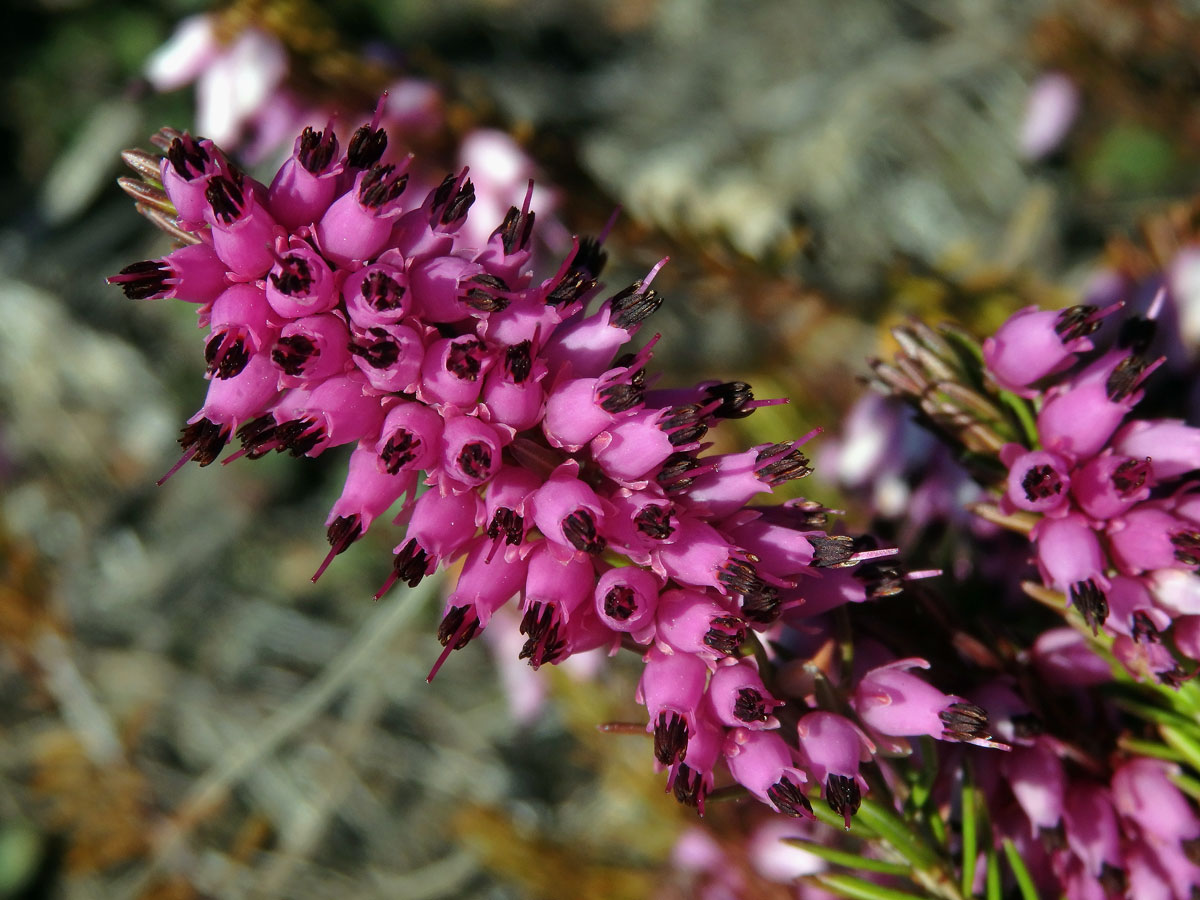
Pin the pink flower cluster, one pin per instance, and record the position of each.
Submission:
(1083, 831)
(1119, 532)
(522, 439)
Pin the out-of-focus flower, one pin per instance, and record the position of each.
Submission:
(1049, 113)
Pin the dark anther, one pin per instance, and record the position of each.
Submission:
(143, 280)
(843, 796)
(1041, 482)
(205, 438)
(515, 230)
(673, 475)
(791, 464)
(293, 352)
(1143, 628)
(1053, 837)
(518, 361)
(225, 197)
(382, 291)
(762, 605)
(749, 706)
(963, 721)
(579, 528)
(740, 576)
(689, 785)
(1175, 676)
(379, 353)
(1187, 547)
(488, 296)
(683, 425)
(571, 288)
(1131, 475)
(1191, 849)
(344, 531)
(619, 396)
(509, 523)
(475, 460)
(788, 798)
(590, 257)
(257, 431)
(1136, 334)
(1027, 725)
(295, 276)
(411, 565)
(1075, 322)
(366, 147)
(733, 397)
(1091, 602)
(305, 436)
(808, 513)
(317, 149)
(544, 644)
(1112, 880)
(462, 360)
(226, 354)
(379, 186)
(670, 737)
(453, 204)
(654, 522)
(632, 306)
(450, 625)
(187, 157)
(1124, 378)
(881, 579)
(620, 603)
(401, 449)
(725, 634)
(830, 551)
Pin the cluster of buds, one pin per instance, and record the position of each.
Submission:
(1118, 519)
(520, 438)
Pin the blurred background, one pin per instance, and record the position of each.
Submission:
(184, 713)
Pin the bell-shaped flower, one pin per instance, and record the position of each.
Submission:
(761, 762)
(357, 224)
(892, 701)
(306, 183)
(243, 232)
(671, 689)
(1038, 481)
(193, 273)
(311, 349)
(739, 699)
(832, 748)
(301, 283)
(626, 599)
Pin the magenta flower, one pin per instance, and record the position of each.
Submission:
(501, 422)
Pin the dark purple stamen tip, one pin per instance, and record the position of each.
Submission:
(1041, 482)
(579, 528)
(964, 721)
(143, 280)
(789, 798)
(317, 150)
(293, 353)
(654, 522)
(366, 147)
(843, 796)
(1091, 603)
(670, 737)
(620, 603)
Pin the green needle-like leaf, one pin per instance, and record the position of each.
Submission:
(993, 876)
(970, 836)
(857, 889)
(850, 860)
(897, 833)
(1024, 880)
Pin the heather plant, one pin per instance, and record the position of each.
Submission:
(906, 730)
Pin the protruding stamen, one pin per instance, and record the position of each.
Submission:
(579, 528)
(1091, 602)
(789, 798)
(964, 722)
(843, 796)
(670, 737)
(344, 531)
